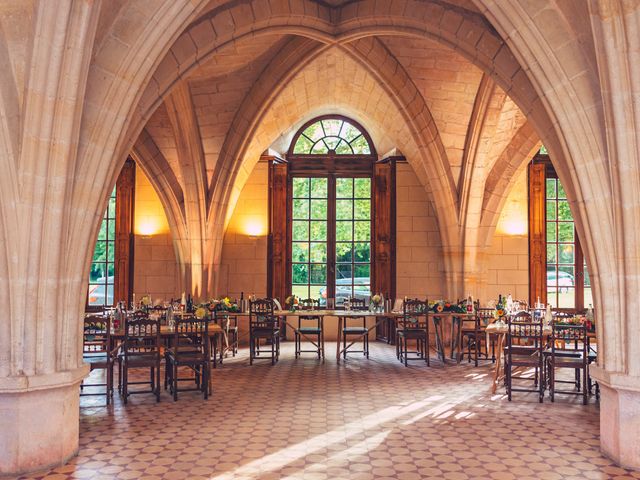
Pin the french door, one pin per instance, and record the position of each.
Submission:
(330, 237)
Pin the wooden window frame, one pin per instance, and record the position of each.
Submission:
(124, 238)
(540, 169)
(331, 166)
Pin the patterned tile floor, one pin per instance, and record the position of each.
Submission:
(367, 419)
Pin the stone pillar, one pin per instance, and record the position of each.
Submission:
(39, 420)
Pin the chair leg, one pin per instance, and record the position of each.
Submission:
(251, 347)
(406, 352)
(158, 382)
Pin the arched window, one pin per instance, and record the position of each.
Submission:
(331, 134)
(323, 245)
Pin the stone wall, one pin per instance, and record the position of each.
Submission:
(420, 267)
(155, 268)
(508, 256)
(244, 253)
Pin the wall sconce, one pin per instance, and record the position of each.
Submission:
(147, 227)
(254, 228)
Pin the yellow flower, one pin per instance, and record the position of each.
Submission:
(201, 313)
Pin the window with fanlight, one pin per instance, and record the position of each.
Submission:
(330, 237)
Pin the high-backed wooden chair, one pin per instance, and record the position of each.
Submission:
(309, 326)
(141, 350)
(263, 324)
(474, 336)
(355, 326)
(524, 349)
(98, 352)
(413, 326)
(190, 347)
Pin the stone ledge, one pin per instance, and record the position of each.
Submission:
(615, 380)
(31, 383)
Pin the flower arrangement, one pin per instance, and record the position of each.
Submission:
(292, 302)
(441, 306)
(145, 301)
(501, 308)
(201, 313)
(224, 304)
(576, 320)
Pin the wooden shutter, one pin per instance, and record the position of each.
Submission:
(384, 227)
(125, 198)
(537, 234)
(277, 284)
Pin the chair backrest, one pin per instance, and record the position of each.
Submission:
(357, 303)
(141, 336)
(261, 314)
(525, 330)
(193, 332)
(485, 316)
(415, 314)
(309, 304)
(96, 335)
(572, 337)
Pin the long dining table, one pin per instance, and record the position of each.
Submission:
(437, 319)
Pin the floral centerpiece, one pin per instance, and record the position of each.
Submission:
(440, 306)
(576, 320)
(292, 302)
(201, 312)
(224, 304)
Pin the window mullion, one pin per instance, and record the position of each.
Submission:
(331, 238)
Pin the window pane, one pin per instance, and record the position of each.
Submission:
(564, 212)
(319, 274)
(319, 187)
(362, 209)
(112, 230)
(344, 209)
(551, 210)
(97, 272)
(319, 209)
(363, 231)
(300, 252)
(301, 230)
(110, 251)
(551, 188)
(109, 299)
(588, 297)
(299, 273)
(300, 291)
(552, 276)
(349, 131)
(362, 188)
(567, 298)
(332, 142)
(319, 231)
(565, 232)
(344, 148)
(314, 131)
(332, 126)
(362, 274)
(561, 192)
(362, 252)
(344, 231)
(344, 187)
(300, 187)
(566, 278)
(343, 252)
(111, 209)
(318, 252)
(100, 253)
(566, 254)
(301, 209)
(551, 232)
(587, 280)
(102, 234)
(303, 145)
(320, 148)
(111, 268)
(551, 254)
(360, 146)
(343, 274)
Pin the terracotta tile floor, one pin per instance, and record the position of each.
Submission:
(371, 418)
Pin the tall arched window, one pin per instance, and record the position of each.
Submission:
(328, 241)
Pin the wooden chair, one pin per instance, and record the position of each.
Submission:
(358, 330)
(263, 324)
(413, 325)
(309, 326)
(141, 349)
(98, 352)
(524, 349)
(189, 348)
(229, 324)
(474, 335)
(569, 349)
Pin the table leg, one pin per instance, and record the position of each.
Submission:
(437, 324)
(339, 339)
(496, 375)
